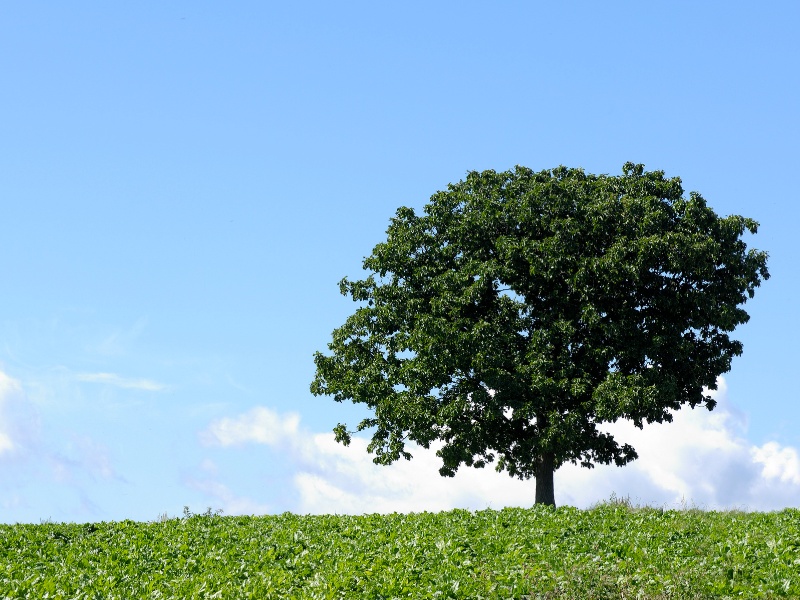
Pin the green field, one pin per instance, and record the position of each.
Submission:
(611, 551)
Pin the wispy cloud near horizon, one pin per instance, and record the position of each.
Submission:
(147, 385)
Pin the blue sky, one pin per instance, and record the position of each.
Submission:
(183, 185)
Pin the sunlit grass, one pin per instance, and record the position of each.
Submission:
(613, 550)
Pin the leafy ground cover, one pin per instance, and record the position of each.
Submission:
(611, 551)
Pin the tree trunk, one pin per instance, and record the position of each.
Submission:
(545, 493)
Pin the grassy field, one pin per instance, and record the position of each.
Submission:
(611, 551)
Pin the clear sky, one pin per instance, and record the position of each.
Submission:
(183, 184)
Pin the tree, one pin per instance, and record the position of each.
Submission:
(524, 309)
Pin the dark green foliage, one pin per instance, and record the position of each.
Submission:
(522, 310)
(612, 551)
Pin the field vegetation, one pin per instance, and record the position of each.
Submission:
(614, 550)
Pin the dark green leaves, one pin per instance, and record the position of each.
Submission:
(523, 309)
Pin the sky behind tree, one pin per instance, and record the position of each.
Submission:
(183, 186)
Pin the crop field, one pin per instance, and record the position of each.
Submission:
(611, 551)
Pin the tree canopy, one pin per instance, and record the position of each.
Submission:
(525, 309)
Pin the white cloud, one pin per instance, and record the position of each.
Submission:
(700, 458)
(146, 385)
(18, 419)
(6, 444)
(9, 388)
(781, 464)
(260, 425)
(335, 479)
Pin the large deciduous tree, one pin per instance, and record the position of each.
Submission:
(525, 309)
